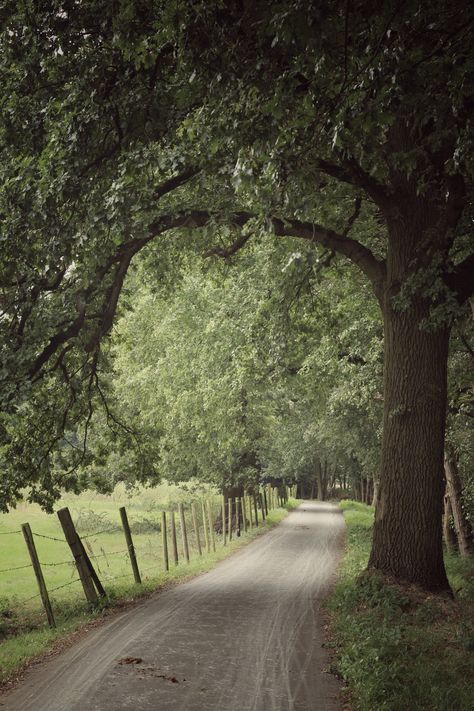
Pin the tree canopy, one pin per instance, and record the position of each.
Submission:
(179, 129)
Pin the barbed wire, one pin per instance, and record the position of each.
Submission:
(63, 562)
(71, 582)
(104, 530)
(8, 533)
(18, 567)
(50, 538)
(23, 602)
(105, 555)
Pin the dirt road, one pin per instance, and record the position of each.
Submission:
(243, 637)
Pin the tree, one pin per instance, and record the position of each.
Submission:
(306, 122)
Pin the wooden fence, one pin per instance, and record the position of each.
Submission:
(201, 529)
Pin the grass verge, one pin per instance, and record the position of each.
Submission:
(396, 647)
(34, 640)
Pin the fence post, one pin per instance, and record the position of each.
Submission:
(229, 507)
(30, 544)
(80, 556)
(196, 527)
(249, 499)
(224, 530)
(165, 540)
(204, 523)
(211, 526)
(238, 511)
(130, 546)
(184, 534)
(93, 574)
(174, 542)
(244, 514)
(265, 502)
(262, 505)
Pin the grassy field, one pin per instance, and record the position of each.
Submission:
(396, 647)
(97, 521)
(23, 629)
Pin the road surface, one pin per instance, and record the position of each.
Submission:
(243, 637)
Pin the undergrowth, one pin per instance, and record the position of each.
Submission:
(396, 647)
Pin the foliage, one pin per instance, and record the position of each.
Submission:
(123, 122)
(223, 386)
(387, 638)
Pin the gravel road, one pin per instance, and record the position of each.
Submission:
(243, 637)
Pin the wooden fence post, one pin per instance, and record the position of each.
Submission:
(80, 556)
(174, 542)
(255, 509)
(229, 507)
(95, 578)
(211, 526)
(164, 539)
(262, 505)
(249, 499)
(196, 527)
(238, 511)
(30, 544)
(204, 523)
(130, 546)
(244, 514)
(184, 533)
(224, 530)
(265, 502)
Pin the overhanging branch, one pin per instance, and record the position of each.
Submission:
(193, 219)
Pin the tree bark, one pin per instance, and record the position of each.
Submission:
(407, 541)
(454, 489)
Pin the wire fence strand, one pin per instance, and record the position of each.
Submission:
(50, 538)
(9, 533)
(104, 530)
(17, 567)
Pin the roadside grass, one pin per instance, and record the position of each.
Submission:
(23, 631)
(398, 648)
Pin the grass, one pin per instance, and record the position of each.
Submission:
(23, 631)
(396, 647)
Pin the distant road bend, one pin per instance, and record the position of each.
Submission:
(243, 637)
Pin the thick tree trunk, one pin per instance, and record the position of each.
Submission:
(449, 535)
(407, 541)
(454, 490)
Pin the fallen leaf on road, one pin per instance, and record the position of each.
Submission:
(130, 660)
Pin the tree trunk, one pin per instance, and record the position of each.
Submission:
(454, 489)
(368, 492)
(322, 480)
(407, 541)
(375, 497)
(448, 531)
(319, 481)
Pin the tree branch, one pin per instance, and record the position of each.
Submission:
(171, 184)
(353, 250)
